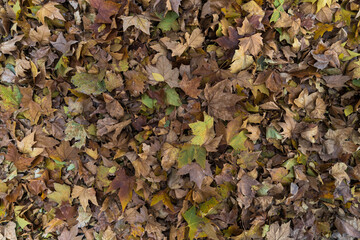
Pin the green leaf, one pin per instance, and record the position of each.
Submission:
(11, 98)
(148, 102)
(89, 83)
(193, 221)
(172, 97)
(202, 130)
(356, 82)
(169, 22)
(238, 141)
(200, 155)
(77, 131)
(272, 133)
(188, 153)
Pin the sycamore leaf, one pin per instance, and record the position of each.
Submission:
(61, 194)
(190, 87)
(193, 221)
(162, 196)
(21, 163)
(196, 38)
(89, 83)
(10, 98)
(106, 9)
(240, 61)
(50, 11)
(124, 184)
(26, 146)
(203, 131)
(172, 97)
(190, 152)
(277, 232)
(138, 21)
(238, 141)
(272, 133)
(77, 131)
(169, 22)
(163, 72)
(196, 172)
(40, 35)
(169, 154)
(84, 195)
(322, 3)
(252, 44)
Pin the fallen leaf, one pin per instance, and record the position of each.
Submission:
(50, 11)
(84, 195)
(138, 21)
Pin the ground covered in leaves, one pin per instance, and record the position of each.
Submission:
(179, 119)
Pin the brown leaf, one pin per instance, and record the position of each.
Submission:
(163, 72)
(40, 35)
(196, 172)
(135, 82)
(124, 184)
(84, 195)
(106, 9)
(278, 232)
(50, 11)
(252, 44)
(190, 87)
(221, 104)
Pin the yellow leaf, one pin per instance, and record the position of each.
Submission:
(203, 131)
(158, 77)
(61, 194)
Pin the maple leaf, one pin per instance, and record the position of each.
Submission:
(277, 232)
(203, 131)
(10, 98)
(84, 195)
(221, 104)
(61, 194)
(50, 11)
(252, 44)
(288, 126)
(40, 35)
(138, 21)
(190, 87)
(77, 131)
(163, 72)
(124, 184)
